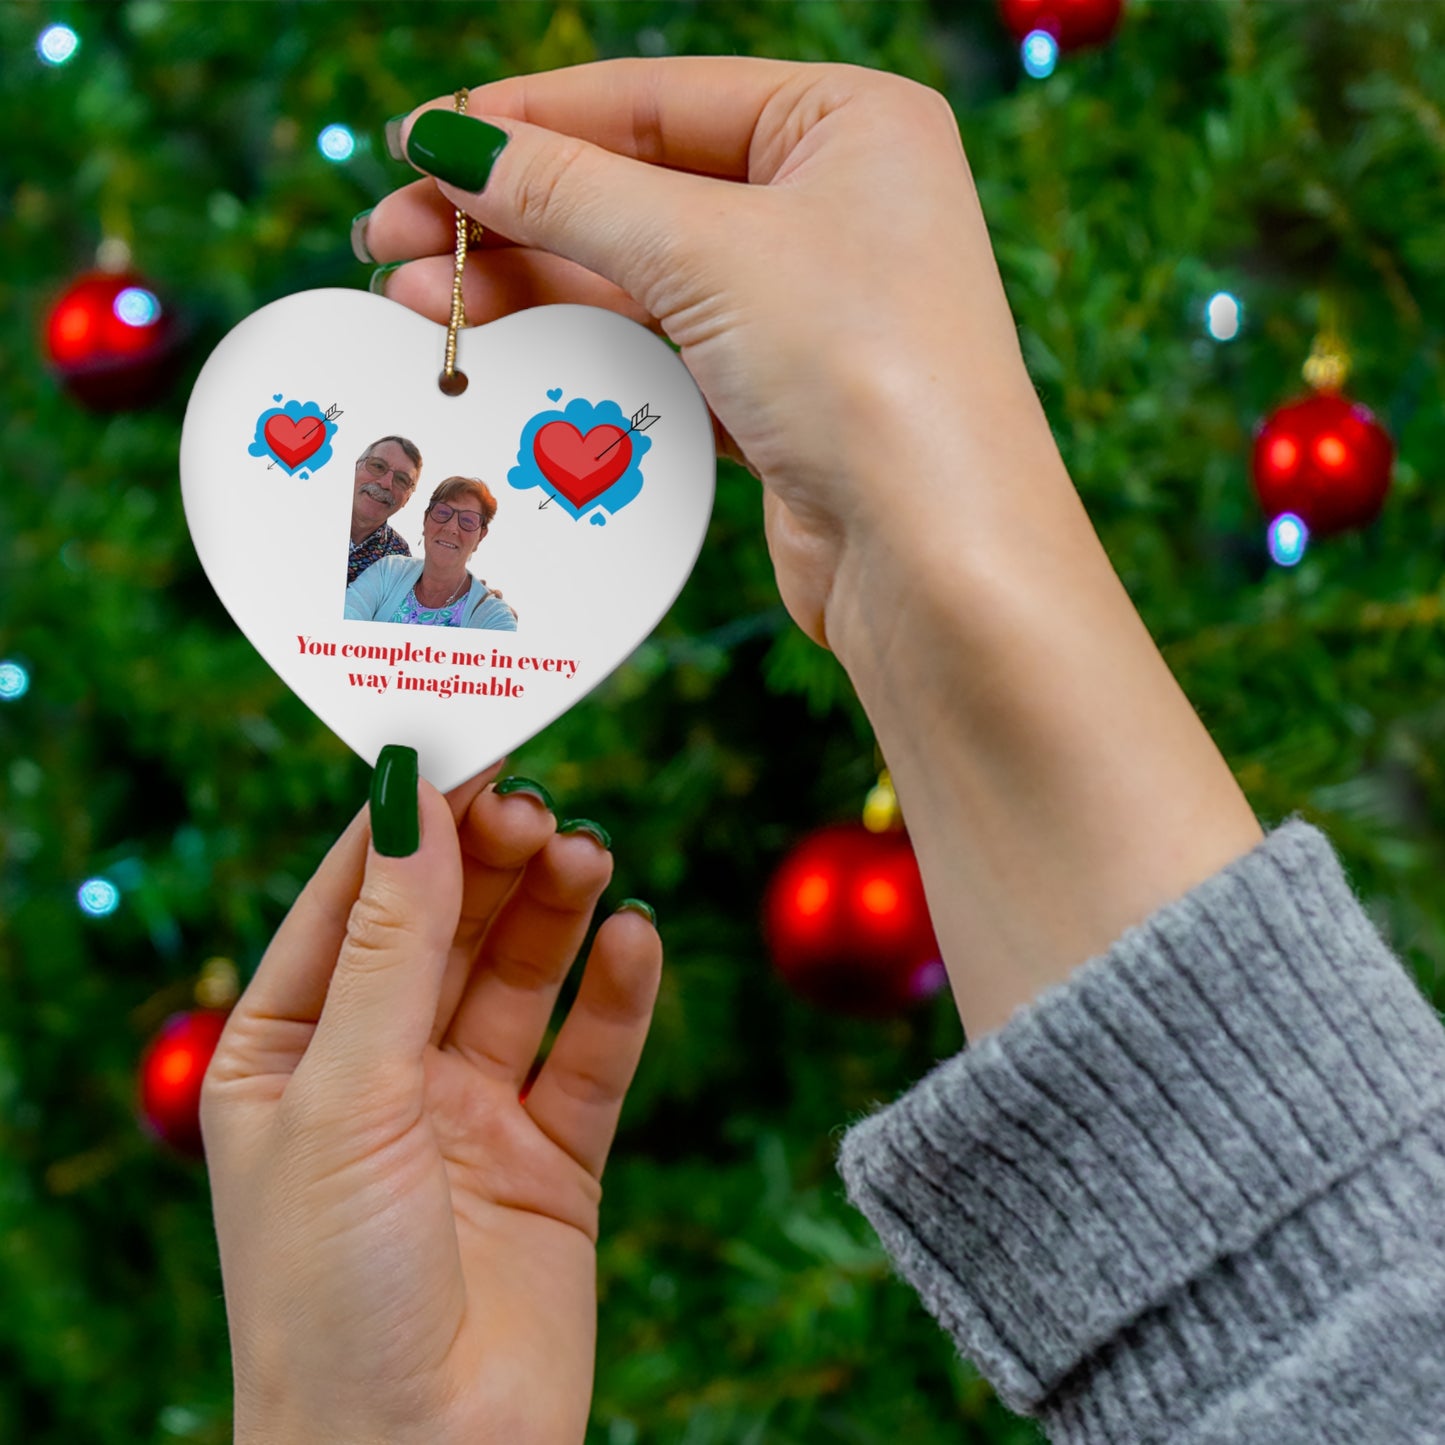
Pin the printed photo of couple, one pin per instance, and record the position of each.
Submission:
(384, 581)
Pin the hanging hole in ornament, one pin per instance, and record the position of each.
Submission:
(454, 384)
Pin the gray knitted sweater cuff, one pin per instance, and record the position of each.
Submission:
(1130, 1200)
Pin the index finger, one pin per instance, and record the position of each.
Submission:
(698, 113)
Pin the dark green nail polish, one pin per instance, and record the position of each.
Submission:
(377, 284)
(526, 785)
(393, 137)
(358, 237)
(395, 820)
(586, 825)
(455, 148)
(636, 905)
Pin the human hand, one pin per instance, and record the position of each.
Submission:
(407, 1246)
(843, 303)
(497, 593)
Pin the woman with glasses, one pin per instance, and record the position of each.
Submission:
(386, 476)
(437, 591)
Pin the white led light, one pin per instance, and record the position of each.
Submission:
(1223, 316)
(14, 681)
(1040, 53)
(57, 44)
(98, 897)
(336, 143)
(1288, 538)
(137, 307)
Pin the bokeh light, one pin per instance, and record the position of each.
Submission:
(137, 307)
(1288, 538)
(879, 897)
(1281, 455)
(98, 897)
(1223, 316)
(336, 143)
(14, 681)
(57, 44)
(812, 895)
(1040, 52)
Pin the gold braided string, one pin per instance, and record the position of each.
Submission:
(466, 230)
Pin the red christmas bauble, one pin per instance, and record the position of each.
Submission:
(848, 926)
(1324, 458)
(111, 341)
(1073, 23)
(171, 1072)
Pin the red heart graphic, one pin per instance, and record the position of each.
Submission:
(571, 461)
(293, 441)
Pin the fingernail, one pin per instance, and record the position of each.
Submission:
(358, 237)
(636, 905)
(377, 284)
(393, 137)
(586, 825)
(455, 148)
(526, 785)
(395, 821)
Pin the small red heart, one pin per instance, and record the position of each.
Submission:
(294, 441)
(581, 467)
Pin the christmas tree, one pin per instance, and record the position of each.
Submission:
(1180, 214)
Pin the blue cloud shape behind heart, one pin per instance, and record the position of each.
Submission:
(584, 416)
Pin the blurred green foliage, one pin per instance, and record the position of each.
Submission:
(1281, 152)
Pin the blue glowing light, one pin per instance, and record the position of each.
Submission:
(137, 307)
(1040, 52)
(1288, 538)
(98, 897)
(57, 44)
(14, 681)
(336, 143)
(1223, 316)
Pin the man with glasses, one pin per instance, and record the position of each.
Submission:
(386, 476)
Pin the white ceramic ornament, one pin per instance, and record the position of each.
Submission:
(590, 433)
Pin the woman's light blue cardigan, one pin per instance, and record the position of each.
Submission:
(382, 588)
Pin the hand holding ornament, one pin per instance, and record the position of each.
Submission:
(407, 1224)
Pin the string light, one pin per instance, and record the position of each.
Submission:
(1288, 538)
(14, 681)
(336, 143)
(57, 44)
(98, 897)
(1040, 52)
(137, 307)
(1223, 316)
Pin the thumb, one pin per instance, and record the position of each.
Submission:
(382, 999)
(630, 222)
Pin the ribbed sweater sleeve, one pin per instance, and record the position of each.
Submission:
(1196, 1192)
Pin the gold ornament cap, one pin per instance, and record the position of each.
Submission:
(881, 813)
(219, 984)
(1328, 367)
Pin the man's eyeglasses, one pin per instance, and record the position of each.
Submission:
(377, 469)
(467, 521)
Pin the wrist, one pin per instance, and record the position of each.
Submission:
(1057, 784)
(945, 520)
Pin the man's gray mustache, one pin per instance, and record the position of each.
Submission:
(378, 494)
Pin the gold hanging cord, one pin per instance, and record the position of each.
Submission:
(451, 381)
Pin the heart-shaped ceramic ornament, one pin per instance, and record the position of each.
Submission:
(590, 435)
